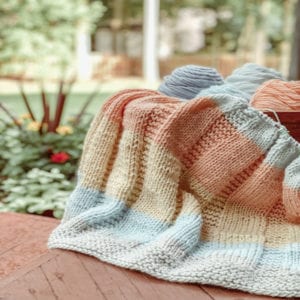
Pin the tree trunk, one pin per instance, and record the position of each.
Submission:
(286, 47)
(246, 39)
(150, 47)
(216, 50)
(116, 25)
(295, 61)
(83, 48)
(261, 34)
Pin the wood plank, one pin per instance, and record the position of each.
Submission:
(105, 281)
(225, 294)
(24, 245)
(19, 229)
(33, 286)
(22, 255)
(143, 284)
(120, 283)
(29, 271)
(36, 263)
(69, 279)
(170, 290)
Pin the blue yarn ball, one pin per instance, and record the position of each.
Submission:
(243, 82)
(227, 89)
(249, 77)
(186, 82)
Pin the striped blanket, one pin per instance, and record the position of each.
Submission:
(203, 191)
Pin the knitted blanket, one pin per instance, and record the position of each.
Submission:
(203, 191)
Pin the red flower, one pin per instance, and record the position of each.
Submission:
(59, 157)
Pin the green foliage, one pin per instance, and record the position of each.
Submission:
(36, 192)
(39, 31)
(228, 29)
(23, 150)
(38, 165)
(31, 179)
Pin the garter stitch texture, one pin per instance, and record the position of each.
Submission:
(186, 82)
(204, 191)
(277, 95)
(243, 82)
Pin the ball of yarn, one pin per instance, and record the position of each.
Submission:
(186, 82)
(249, 77)
(243, 82)
(227, 89)
(277, 95)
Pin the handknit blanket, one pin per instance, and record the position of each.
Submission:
(203, 191)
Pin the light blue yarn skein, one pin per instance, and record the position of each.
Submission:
(226, 89)
(186, 82)
(243, 82)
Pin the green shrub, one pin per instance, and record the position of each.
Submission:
(37, 191)
(39, 155)
(42, 32)
(23, 150)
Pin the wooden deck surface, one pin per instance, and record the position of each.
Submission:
(29, 271)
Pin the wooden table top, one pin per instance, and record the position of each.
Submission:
(28, 270)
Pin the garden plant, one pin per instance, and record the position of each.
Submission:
(39, 155)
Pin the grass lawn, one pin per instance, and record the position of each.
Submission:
(74, 103)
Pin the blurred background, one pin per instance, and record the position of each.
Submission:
(103, 40)
(59, 61)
